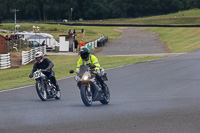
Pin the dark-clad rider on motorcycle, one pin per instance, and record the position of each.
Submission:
(91, 61)
(44, 63)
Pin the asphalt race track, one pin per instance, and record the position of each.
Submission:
(135, 41)
(158, 96)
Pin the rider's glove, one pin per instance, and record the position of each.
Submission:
(91, 66)
(30, 76)
(97, 71)
(77, 72)
(48, 69)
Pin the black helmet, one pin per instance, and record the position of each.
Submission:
(84, 52)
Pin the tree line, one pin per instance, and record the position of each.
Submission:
(44, 10)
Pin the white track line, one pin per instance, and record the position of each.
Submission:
(28, 86)
(16, 88)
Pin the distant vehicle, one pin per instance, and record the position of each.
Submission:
(35, 44)
(65, 20)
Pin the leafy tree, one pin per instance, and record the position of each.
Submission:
(44, 10)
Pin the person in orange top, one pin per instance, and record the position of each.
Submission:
(81, 44)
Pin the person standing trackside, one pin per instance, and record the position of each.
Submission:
(75, 45)
(80, 45)
(43, 43)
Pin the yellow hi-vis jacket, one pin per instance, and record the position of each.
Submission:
(93, 61)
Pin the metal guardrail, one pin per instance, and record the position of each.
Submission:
(5, 61)
(28, 56)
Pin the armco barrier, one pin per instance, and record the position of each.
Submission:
(5, 61)
(28, 56)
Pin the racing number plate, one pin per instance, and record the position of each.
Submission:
(37, 74)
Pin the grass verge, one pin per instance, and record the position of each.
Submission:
(179, 40)
(186, 17)
(16, 77)
(91, 32)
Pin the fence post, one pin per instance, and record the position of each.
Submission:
(22, 58)
(28, 56)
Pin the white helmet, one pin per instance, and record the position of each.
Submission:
(39, 57)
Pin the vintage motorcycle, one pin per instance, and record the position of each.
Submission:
(45, 89)
(90, 88)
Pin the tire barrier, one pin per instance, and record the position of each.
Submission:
(102, 41)
(5, 61)
(97, 43)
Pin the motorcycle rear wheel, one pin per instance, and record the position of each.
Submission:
(41, 91)
(86, 96)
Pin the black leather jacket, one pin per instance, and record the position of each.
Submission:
(45, 63)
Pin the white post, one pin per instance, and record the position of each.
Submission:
(71, 13)
(15, 16)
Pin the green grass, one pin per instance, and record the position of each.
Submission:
(190, 17)
(91, 32)
(15, 77)
(179, 40)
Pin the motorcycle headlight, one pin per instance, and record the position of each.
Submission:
(86, 77)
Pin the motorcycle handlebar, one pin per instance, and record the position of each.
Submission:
(94, 72)
(43, 70)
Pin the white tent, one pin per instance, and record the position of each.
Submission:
(40, 37)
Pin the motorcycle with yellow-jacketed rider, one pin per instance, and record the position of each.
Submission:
(90, 79)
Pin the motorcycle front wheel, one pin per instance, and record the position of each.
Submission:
(106, 99)
(86, 96)
(58, 95)
(41, 91)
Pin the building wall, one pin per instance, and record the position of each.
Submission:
(2, 45)
(64, 44)
(67, 40)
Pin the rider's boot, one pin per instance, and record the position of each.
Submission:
(104, 88)
(57, 87)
